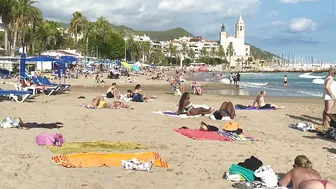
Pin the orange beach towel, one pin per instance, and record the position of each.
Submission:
(107, 159)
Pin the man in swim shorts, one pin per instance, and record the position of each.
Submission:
(259, 102)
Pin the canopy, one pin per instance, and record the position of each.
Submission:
(68, 59)
(42, 59)
(126, 65)
(135, 67)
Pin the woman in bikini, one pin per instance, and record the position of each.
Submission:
(303, 176)
(99, 102)
(227, 109)
(186, 107)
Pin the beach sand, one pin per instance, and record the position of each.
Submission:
(195, 164)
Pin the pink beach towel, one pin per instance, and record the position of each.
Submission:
(202, 135)
(53, 139)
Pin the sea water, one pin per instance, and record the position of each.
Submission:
(299, 84)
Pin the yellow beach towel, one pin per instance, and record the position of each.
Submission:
(108, 159)
(95, 146)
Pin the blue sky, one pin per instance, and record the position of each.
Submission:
(303, 27)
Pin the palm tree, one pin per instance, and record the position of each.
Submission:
(213, 53)
(6, 13)
(102, 26)
(230, 51)
(170, 51)
(203, 53)
(145, 47)
(184, 52)
(221, 53)
(191, 54)
(76, 25)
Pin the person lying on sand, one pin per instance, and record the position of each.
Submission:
(259, 102)
(98, 79)
(98, 102)
(113, 92)
(227, 109)
(186, 107)
(137, 91)
(303, 176)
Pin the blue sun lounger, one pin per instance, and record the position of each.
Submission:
(49, 91)
(45, 81)
(18, 96)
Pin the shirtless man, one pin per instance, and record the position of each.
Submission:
(303, 176)
(113, 92)
(259, 102)
(285, 81)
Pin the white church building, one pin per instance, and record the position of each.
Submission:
(240, 49)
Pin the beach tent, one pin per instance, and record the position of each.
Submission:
(126, 65)
(23, 61)
(135, 67)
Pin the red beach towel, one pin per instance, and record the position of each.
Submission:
(202, 135)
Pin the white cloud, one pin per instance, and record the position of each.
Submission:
(302, 25)
(296, 25)
(151, 14)
(295, 1)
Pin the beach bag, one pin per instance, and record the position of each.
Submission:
(11, 122)
(267, 176)
(53, 139)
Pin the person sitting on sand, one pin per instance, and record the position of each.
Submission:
(98, 80)
(98, 102)
(138, 96)
(113, 92)
(186, 107)
(259, 102)
(227, 109)
(303, 176)
(197, 87)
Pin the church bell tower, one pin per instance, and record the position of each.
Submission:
(240, 28)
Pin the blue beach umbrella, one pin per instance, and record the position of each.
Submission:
(136, 68)
(68, 58)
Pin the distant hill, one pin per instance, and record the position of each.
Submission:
(261, 54)
(179, 32)
(155, 35)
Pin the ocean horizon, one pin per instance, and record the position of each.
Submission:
(299, 84)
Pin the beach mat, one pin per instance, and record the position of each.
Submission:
(174, 114)
(202, 135)
(95, 146)
(251, 108)
(108, 159)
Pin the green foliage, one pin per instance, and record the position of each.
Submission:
(257, 53)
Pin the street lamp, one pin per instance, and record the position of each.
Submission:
(126, 36)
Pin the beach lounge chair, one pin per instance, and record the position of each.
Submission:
(18, 96)
(48, 90)
(38, 83)
(45, 81)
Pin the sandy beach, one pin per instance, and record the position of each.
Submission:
(194, 163)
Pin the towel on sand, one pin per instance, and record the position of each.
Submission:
(202, 135)
(108, 159)
(95, 146)
(212, 135)
(174, 114)
(243, 107)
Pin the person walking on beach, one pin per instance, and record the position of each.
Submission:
(285, 81)
(231, 78)
(329, 96)
(237, 78)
